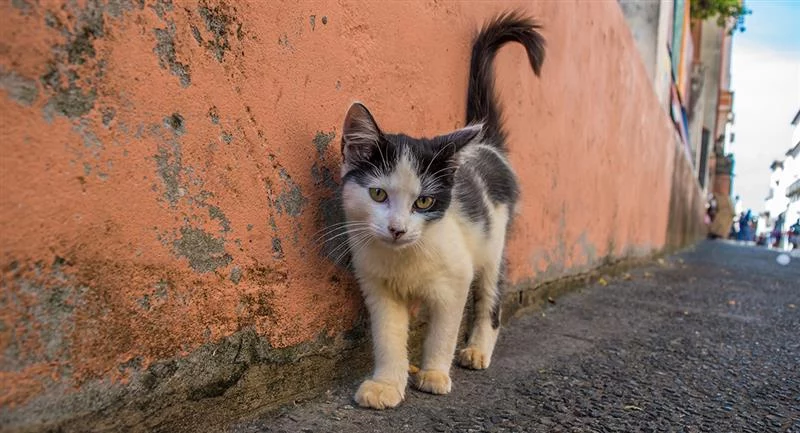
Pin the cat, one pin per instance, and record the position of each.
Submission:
(426, 220)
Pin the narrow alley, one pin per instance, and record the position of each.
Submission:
(702, 341)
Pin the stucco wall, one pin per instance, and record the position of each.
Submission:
(166, 168)
(650, 23)
(643, 20)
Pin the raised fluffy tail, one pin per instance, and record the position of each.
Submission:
(482, 105)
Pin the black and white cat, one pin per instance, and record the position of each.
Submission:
(426, 220)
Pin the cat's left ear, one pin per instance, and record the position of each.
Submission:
(462, 137)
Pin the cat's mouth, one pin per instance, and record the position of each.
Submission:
(398, 243)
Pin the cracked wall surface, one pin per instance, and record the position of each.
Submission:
(168, 168)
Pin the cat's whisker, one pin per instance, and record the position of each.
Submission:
(350, 233)
(353, 245)
(345, 245)
(328, 243)
(320, 234)
(340, 224)
(344, 227)
(356, 247)
(354, 236)
(336, 246)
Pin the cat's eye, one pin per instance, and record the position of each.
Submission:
(377, 194)
(424, 202)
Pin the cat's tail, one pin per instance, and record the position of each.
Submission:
(482, 104)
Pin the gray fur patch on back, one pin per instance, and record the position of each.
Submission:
(484, 173)
(469, 194)
(501, 183)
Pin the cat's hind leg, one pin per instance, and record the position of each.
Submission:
(487, 288)
(486, 322)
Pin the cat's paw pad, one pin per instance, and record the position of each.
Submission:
(432, 381)
(474, 358)
(378, 395)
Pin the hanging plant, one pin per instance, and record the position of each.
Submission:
(725, 11)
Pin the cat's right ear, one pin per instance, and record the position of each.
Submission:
(360, 133)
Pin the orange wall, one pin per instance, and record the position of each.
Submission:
(165, 168)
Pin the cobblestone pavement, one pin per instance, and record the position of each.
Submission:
(704, 341)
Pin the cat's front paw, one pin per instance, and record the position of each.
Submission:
(474, 358)
(378, 395)
(432, 381)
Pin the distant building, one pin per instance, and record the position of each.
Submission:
(652, 24)
(776, 201)
(793, 189)
(783, 199)
(689, 63)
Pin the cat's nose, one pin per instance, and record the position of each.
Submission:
(396, 233)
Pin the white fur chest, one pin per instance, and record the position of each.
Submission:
(406, 273)
(417, 271)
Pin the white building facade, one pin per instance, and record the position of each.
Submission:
(784, 195)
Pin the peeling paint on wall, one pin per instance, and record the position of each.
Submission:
(216, 214)
(74, 92)
(169, 168)
(167, 57)
(291, 200)
(20, 89)
(205, 252)
(219, 21)
(322, 140)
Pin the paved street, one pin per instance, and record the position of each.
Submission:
(705, 341)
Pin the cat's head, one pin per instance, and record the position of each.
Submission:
(394, 186)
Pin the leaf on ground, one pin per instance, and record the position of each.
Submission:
(648, 275)
(731, 302)
(632, 407)
(602, 282)
(551, 300)
(792, 306)
(626, 276)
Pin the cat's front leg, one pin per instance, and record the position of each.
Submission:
(446, 310)
(389, 324)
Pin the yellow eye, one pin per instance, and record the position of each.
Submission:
(377, 194)
(424, 202)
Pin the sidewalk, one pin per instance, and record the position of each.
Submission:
(705, 341)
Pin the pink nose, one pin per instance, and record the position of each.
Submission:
(396, 233)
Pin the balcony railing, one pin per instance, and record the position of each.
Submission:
(794, 189)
